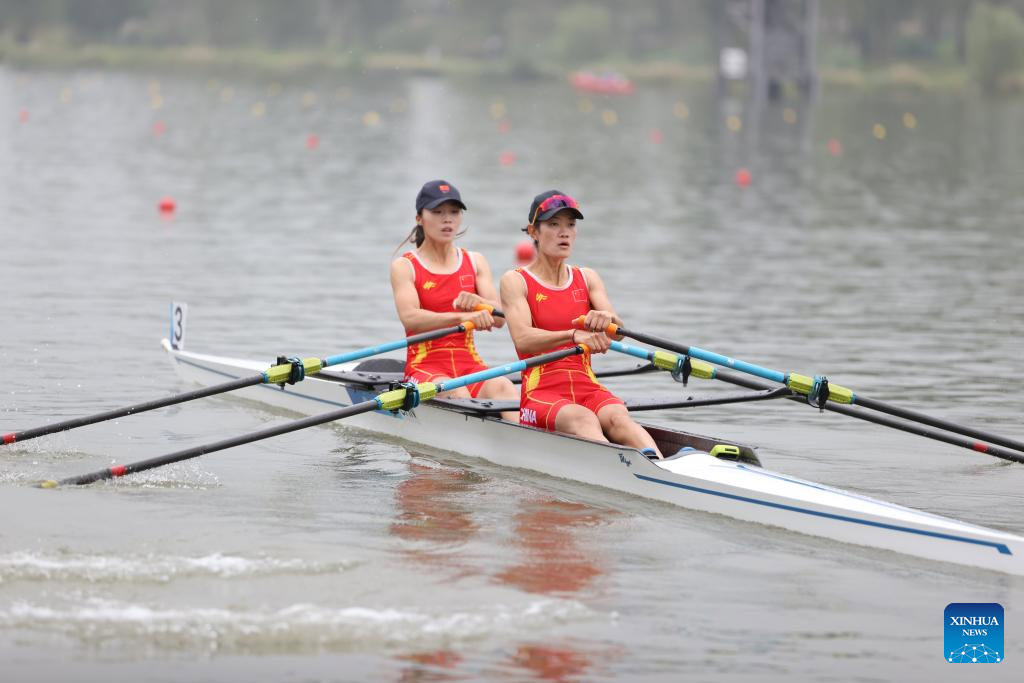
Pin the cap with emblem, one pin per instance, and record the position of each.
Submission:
(435, 193)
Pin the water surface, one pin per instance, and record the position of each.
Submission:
(893, 267)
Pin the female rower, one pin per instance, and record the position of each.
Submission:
(439, 285)
(540, 302)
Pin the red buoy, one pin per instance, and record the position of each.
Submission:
(503, 126)
(23, 115)
(743, 177)
(312, 142)
(507, 158)
(159, 128)
(656, 136)
(167, 205)
(525, 252)
(835, 148)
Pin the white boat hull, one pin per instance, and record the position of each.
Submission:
(697, 481)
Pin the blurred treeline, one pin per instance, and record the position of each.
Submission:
(986, 35)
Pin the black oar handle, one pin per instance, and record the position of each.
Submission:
(27, 434)
(195, 452)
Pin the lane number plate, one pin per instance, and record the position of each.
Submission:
(178, 311)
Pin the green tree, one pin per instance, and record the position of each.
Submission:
(995, 45)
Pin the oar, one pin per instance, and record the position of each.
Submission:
(293, 371)
(818, 390)
(861, 414)
(406, 397)
(682, 366)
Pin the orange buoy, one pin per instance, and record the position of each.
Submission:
(167, 205)
(23, 115)
(743, 177)
(525, 252)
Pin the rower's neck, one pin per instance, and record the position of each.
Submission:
(551, 271)
(442, 255)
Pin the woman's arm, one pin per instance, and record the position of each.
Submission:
(527, 338)
(416, 319)
(603, 313)
(485, 291)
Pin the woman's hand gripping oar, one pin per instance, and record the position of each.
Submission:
(406, 397)
(819, 392)
(292, 371)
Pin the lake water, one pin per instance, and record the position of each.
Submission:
(893, 265)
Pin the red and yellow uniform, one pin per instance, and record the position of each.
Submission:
(547, 388)
(454, 355)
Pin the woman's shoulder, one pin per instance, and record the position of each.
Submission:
(403, 263)
(513, 277)
(590, 276)
(476, 257)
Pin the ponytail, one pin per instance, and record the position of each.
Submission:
(415, 236)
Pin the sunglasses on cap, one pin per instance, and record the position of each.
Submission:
(555, 201)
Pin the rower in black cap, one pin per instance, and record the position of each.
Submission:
(439, 285)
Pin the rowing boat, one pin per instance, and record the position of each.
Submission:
(731, 483)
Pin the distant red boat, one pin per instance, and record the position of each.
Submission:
(601, 83)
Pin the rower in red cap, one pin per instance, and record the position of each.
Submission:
(439, 285)
(540, 302)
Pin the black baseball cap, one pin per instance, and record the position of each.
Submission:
(547, 204)
(435, 193)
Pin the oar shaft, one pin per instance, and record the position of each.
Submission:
(861, 414)
(188, 453)
(691, 402)
(277, 373)
(916, 416)
(663, 361)
(27, 434)
(703, 354)
(853, 398)
(500, 370)
(394, 345)
(389, 400)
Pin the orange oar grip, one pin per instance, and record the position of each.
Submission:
(484, 307)
(611, 330)
(586, 349)
(468, 324)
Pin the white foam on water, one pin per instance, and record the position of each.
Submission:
(28, 566)
(300, 627)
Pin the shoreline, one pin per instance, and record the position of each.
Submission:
(313, 63)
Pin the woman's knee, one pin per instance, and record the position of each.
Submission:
(501, 388)
(578, 420)
(615, 418)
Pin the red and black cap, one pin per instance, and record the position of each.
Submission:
(547, 204)
(435, 193)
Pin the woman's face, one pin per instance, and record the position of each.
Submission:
(441, 224)
(556, 235)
